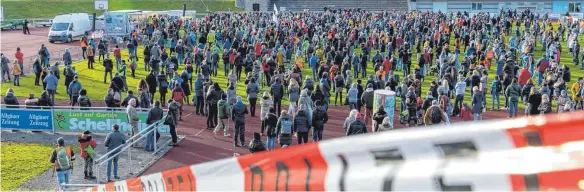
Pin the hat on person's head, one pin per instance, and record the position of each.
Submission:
(86, 132)
(61, 141)
(31, 95)
(358, 115)
(369, 85)
(76, 77)
(563, 92)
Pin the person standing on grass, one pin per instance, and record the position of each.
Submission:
(45, 56)
(155, 114)
(238, 112)
(67, 59)
(83, 44)
(5, 70)
(51, 81)
(20, 58)
(118, 55)
(113, 140)
(108, 68)
(223, 114)
(16, 71)
(90, 57)
(252, 90)
(62, 158)
(38, 70)
(73, 90)
(87, 151)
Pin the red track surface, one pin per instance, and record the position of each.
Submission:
(199, 146)
(30, 44)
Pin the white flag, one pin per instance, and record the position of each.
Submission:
(275, 14)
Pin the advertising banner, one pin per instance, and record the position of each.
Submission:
(116, 24)
(387, 100)
(97, 121)
(26, 119)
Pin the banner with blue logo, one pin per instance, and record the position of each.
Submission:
(26, 119)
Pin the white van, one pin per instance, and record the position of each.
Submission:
(69, 26)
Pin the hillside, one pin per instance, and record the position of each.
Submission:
(20, 9)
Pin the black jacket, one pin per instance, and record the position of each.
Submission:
(271, 124)
(357, 127)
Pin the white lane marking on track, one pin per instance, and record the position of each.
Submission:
(188, 114)
(199, 132)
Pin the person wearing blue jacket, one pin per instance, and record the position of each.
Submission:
(52, 82)
(74, 89)
(199, 95)
(314, 65)
(353, 95)
(238, 112)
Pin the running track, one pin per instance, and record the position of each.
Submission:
(199, 146)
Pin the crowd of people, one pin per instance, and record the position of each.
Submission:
(308, 57)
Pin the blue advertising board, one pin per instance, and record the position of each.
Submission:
(26, 119)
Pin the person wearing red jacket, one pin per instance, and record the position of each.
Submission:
(387, 67)
(87, 146)
(524, 76)
(20, 58)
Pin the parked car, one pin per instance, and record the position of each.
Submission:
(11, 24)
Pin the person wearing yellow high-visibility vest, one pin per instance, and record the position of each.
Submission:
(62, 158)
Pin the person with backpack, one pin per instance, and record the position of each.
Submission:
(284, 129)
(434, 114)
(113, 140)
(277, 91)
(238, 112)
(87, 151)
(223, 114)
(62, 158)
(83, 100)
(513, 93)
(74, 89)
(564, 102)
(256, 145)
(357, 126)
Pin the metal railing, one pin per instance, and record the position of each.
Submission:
(133, 140)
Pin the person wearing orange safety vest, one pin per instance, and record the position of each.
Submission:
(62, 158)
(90, 57)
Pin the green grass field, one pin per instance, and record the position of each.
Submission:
(21, 162)
(92, 79)
(20, 9)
